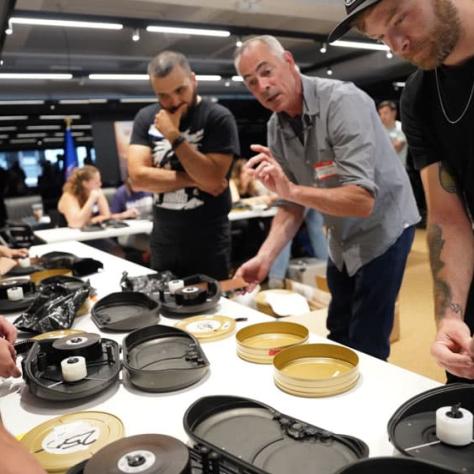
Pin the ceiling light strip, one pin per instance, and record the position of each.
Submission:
(35, 76)
(59, 117)
(21, 102)
(208, 77)
(187, 31)
(138, 100)
(43, 127)
(118, 77)
(360, 45)
(65, 23)
(13, 117)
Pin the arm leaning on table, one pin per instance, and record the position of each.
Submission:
(12, 253)
(78, 216)
(451, 246)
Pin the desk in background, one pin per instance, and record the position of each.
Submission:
(362, 412)
(135, 226)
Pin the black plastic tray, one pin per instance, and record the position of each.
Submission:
(393, 465)
(179, 305)
(256, 436)
(68, 282)
(162, 359)
(57, 259)
(414, 425)
(125, 311)
(23, 271)
(29, 293)
(42, 367)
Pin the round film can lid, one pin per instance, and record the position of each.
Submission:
(62, 442)
(208, 327)
(142, 454)
(59, 334)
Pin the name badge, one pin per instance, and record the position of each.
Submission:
(325, 170)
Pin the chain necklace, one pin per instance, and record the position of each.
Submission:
(452, 122)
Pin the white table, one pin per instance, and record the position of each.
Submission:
(135, 226)
(362, 412)
(65, 234)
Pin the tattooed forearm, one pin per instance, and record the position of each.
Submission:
(446, 180)
(442, 290)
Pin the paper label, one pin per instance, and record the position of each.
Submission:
(204, 326)
(70, 438)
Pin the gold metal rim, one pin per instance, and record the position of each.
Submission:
(108, 428)
(302, 382)
(313, 393)
(226, 328)
(261, 342)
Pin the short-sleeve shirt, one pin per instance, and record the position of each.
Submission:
(430, 136)
(124, 199)
(396, 133)
(212, 129)
(345, 143)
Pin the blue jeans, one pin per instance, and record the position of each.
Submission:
(314, 225)
(361, 311)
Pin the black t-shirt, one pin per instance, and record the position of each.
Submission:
(212, 129)
(430, 136)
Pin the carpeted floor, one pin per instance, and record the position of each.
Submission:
(417, 323)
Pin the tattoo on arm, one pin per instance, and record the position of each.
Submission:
(442, 290)
(446, 180)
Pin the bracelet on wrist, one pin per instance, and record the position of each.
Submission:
(178, 141)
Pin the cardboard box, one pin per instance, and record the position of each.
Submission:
(305, 270)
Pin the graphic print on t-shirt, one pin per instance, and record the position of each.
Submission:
(165, 158)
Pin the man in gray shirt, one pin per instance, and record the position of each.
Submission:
(328, 150)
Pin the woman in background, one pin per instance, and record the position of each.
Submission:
(83, 201)
(247, 190)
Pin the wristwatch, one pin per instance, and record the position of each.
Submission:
(177, 141)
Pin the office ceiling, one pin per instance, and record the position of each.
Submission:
(301, 25)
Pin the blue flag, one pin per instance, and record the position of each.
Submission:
(70, 154)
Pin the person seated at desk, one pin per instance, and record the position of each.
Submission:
(141, 204)
(8, 256)
(135, 202)
(83, 202)
(246, 190)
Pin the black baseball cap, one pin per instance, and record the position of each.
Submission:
(353, 8)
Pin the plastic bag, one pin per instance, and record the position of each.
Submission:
(54, 308)
(151, 284)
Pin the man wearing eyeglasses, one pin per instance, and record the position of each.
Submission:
(182, 150)
(438, 119)
(328, 150)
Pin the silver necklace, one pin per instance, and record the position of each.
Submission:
(452, 122)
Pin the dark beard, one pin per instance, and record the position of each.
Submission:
(443, 38)
(190, 106)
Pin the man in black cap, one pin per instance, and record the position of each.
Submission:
(438, 117)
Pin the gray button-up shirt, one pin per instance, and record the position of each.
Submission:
(345, 143)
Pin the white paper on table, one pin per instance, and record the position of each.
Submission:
(289, 304)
